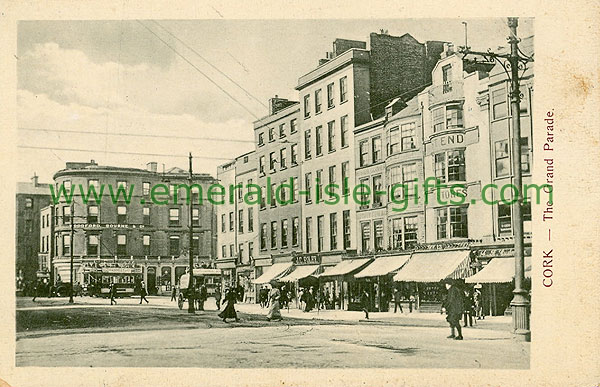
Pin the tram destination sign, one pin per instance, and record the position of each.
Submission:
(121, 270)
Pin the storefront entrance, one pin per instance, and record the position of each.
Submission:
(151, 280)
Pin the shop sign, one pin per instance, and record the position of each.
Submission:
(452, 139)
(448, 140)
(311, 259)
(101, 226)
(447, 195)
(500, 252)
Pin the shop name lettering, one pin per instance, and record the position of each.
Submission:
(307, 260)
(107, 225)
(448, 140)
(548, 212)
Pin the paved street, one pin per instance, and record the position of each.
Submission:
(92, 333)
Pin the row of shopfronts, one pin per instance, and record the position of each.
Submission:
(338, 280)
(159, 276)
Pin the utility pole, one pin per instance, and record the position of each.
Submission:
(71, 253)
(512, 63)
(191, 255)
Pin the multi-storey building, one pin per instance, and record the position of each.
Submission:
(31, 197)
(148, 231)
(450, 133)
(46, 243)
(226, 231)
(348, 89)
(278, 146)
(246, 218)
(238, 222)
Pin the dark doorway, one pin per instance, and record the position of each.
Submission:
(151, 285)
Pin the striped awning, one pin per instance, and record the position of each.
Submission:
(499, 270)
(383, 266)
(345, 267)
(273, 272)
(434, 266)
(300, 272)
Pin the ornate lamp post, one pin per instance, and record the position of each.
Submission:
(512, 63)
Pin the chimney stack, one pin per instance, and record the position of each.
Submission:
(152, 166)
(34, 179)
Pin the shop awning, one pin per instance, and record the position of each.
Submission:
(434, 266)
(273, 272)
(345, 267)
(499, 270)
(300, 273)
(383, 266)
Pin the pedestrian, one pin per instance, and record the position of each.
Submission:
(478, 302)
(364, 303)
(411, 301)
(263, 294)
(397, 300)
(37, 286)
(143, 293)
(229, 311)
(454, 306)
(202, 297)
(174, 293)
(218, 297)
(113, 293)
(469, 308)
(274, 312)
(326, 299)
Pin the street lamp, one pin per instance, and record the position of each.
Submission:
(512, 63)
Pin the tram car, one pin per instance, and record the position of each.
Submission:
(211, 278)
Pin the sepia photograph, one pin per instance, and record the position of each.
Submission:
(276, 193)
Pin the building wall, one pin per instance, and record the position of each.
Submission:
(275, 212)
(246, 173)
(135, 227)
(400, 65)
(395, 162)
(354, 108)
(373, 213)
(46, 240)
(226, 215)
(30, 199)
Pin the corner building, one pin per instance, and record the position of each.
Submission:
(150, 241)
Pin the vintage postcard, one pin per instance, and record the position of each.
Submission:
(300, 194)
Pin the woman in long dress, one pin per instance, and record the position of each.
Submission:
(229, 311)
(274, 309)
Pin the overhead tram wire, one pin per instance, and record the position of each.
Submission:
(134, 135)
(120, 152)
(210, 64)
(198, 70)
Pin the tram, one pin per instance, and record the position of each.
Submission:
(211, 278)
(126, 280)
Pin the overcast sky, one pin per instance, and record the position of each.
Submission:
(118, 77)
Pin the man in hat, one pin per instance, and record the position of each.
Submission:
(454, 306)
